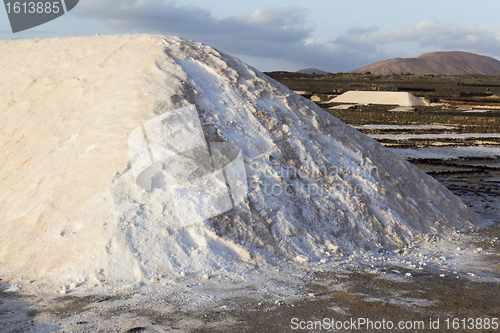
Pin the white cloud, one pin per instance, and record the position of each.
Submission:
(285, 33)
(362, 30)
(268, 33)
(279, 25)
(438, 35)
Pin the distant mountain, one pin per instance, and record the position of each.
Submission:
(311, 71)
(451, 63)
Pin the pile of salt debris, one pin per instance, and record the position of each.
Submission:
(72, 213)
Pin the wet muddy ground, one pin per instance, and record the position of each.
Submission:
(424, 302)
(419, 304)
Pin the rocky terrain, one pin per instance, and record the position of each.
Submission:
(462, 88)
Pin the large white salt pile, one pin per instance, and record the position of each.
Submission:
(378, 97)
(72, 214)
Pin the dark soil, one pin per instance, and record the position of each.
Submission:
(472, 88)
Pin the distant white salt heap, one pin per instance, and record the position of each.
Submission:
(378, 97)
(71, 213)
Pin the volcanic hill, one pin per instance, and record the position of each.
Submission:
(448, 63)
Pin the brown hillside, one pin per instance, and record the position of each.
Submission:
(311, 71)
(451, 63)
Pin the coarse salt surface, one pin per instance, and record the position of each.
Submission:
(71, 214)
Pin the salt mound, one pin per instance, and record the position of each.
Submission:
(72, 214)
(378, 97)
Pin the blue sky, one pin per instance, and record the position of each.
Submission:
(335, 36)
